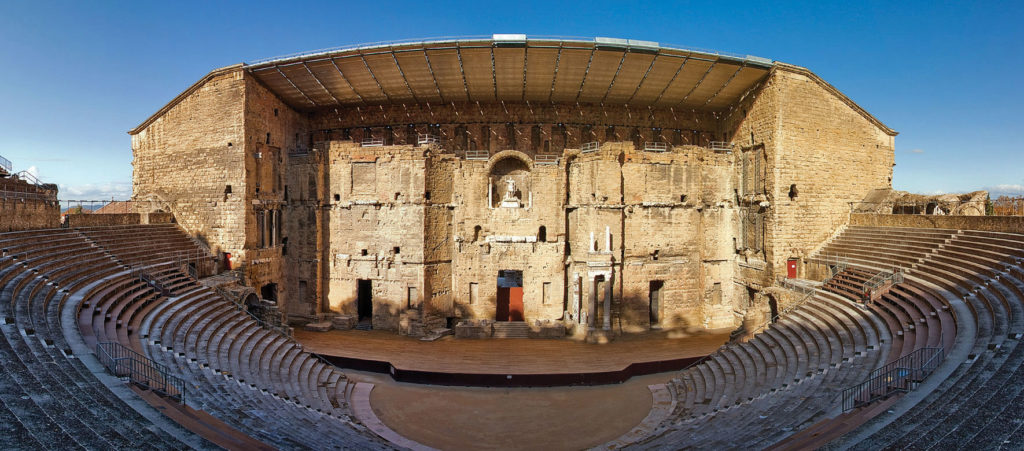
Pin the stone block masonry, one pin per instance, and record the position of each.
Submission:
(508, 211)
(25, 206)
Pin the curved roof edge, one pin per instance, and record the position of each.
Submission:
(518, 39)
(508, 39)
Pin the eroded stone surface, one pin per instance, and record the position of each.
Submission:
(608, 217)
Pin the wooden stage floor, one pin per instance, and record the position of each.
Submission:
(508, 356)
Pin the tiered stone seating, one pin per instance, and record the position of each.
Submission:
(50, 399)
(287, 400)
(277, 396)
(146, 245)
(753, 394)
(972, 407)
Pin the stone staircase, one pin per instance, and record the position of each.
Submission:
(511, 329)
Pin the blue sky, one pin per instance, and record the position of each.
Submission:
(75, 76)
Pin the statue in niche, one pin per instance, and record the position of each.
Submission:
(511, 200)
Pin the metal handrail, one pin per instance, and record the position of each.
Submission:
(28, 177)
(6, 164)
(372, 142)
(920, 358)
(125, 363)
(546, 159)
(721, 146)
(478, 154)
(426, 138)
(899, 376)
(655, 146)
(9, 194)
(592, 146)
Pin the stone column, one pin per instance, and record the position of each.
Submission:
(608, 304)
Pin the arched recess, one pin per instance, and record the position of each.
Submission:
(153, 203)
(509, 181)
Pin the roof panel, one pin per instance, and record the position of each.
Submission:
(311, 90)
(600, 74)
(540, 70)
(417, 73)
(448, 73)
(508, 71)
(537, 70)
(634, 67)
(686, 79)
(747, 78)
(661, 74)
(572, 65)
(710, 84)
(389, 76)
(358, 76)
(333, 81)
(277, 83)
(476, 63)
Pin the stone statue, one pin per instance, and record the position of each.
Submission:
(510, 190)
(510, 200)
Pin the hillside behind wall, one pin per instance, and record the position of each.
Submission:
(24, 206)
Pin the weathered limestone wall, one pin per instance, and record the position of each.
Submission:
(1010, 224)
(273, 131)
(159, 218)
(491, 238)
(94, 219)
(692, 231)
(302, 245)
(832, 154)
(25, 214)
(821, 154)
(25, 206)
(376, 219)
(190, 161)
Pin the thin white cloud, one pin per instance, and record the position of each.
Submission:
(96, 191)
(1005, 189)
(917, 151)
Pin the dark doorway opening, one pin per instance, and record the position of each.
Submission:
(269, 292)
(510, 296)
(655, 301)
(365, 299)
(597, 301)
(773, 305)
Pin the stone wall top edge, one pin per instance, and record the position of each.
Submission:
(234, 70)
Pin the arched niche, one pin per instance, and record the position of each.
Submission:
(509, 180)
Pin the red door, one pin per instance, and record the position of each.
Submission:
(791, 268)
(503, 303)
(515, 303)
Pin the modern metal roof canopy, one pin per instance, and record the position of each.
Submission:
(512, 68)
